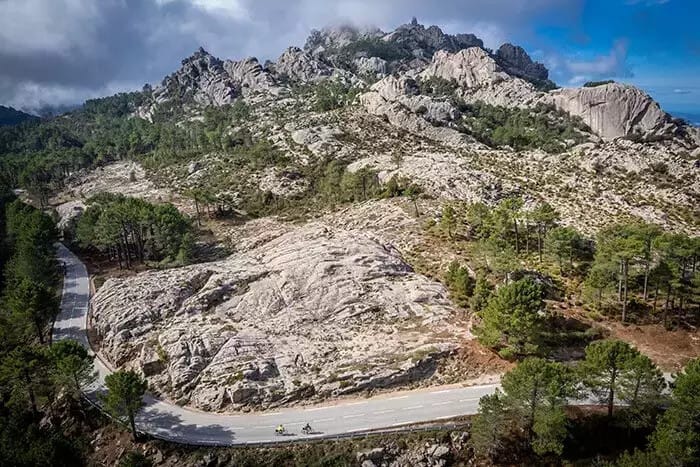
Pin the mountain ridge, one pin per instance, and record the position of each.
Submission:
(358, 57)
(10, 116)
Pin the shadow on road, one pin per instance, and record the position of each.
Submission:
(74, 332)
(170, 426)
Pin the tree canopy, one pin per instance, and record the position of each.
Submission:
(513, 318)
(125, 390)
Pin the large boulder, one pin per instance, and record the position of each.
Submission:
(616, 110)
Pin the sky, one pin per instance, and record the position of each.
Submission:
(61, 52)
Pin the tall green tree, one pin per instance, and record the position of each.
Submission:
(641, 388)
(678, 253)
(535, 393)
(448, 220)
(621, 243)
(613, 370)
(513, 318)
(482, 292)
(459, 282)
(544, 217)
(490, 426)
(600, 277)
(507, 220)
(647, 233)
(33, 303)
(73, 366)
(125, 390)
(24, 373)
(676, 440)
(566, 244)
(480, 221)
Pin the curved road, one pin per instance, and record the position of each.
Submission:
(174, 423)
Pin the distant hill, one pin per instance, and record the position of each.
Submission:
(10, 116)
(692, 118)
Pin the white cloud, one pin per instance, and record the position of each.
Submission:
(613, 64)
(32, 97)
(647, 2)
(58, 26)
(231, 8)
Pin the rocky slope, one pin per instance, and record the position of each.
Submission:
(321, 309)
(315, 312)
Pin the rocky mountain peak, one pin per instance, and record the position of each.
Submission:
(200, 58)
(516, 61)
(423, 42)
(201, 79)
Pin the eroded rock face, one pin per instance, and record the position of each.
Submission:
(299, 66)
(480, 78)
(397, 100)
(372, 66)
(616, 110)
(312, 313)
(249, 74)
(202, 77)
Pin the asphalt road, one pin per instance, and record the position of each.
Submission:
(172, 422)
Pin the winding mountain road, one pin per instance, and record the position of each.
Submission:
(169, 421)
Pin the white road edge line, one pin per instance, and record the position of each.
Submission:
(410, 422)
(396, 398)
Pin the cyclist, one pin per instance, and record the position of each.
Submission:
(280, 429)
(307, 428)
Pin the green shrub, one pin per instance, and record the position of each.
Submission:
(460, 284)
(437, 86)
(331, 95)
